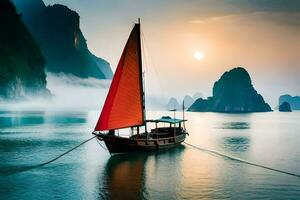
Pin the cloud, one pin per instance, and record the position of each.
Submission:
(279, 11)
(266, 5)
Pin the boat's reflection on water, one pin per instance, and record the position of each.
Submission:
(125, 175)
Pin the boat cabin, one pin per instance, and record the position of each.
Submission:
(163, 127)
(174, 127)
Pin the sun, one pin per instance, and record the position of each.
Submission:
(198, 55)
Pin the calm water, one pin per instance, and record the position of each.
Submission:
(30, 138)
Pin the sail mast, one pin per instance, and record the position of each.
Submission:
(141, 70)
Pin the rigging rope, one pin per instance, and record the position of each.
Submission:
(241, 160)
(148, 61)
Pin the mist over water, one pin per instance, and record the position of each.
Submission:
(73, 93)
(69, 92)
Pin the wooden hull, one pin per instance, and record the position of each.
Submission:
(116, 144)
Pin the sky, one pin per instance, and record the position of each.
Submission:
(263, 36)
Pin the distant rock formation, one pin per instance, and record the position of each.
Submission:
(232, 93)
(188, 101)
(21, 61)
(56, 29)
(202, 105)
(285, 107)
(293, 101)
(197, 95)
(173, 104)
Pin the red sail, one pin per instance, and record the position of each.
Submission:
(123, 106)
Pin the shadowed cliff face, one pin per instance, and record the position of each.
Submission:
(234, 93)
(56, 29)
(30, 7)
(21, 62)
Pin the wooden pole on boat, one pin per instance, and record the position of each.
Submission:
(174, 113)
(174, 130)
(183, 107)
(156, 132)
(132, 131)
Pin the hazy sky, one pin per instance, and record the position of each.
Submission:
(261, 35)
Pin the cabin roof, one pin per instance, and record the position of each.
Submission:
(167, 119)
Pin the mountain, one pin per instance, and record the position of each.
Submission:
(188, 101)
(173, 104)
(285, 107)
(232, 93)
(56, 28)
(21, 61)
(293, 101)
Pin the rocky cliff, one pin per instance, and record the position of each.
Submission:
(293, 101)
(285, 107)
(232, 93)
(21, 61)
(57, 30)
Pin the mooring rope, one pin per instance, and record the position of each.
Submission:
(19, 169)
(61, 155)
(241, 160)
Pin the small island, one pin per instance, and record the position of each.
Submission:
(294, 101)
(285, 107)
(232, 93)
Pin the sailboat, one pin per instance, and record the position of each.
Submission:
(124, 107)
